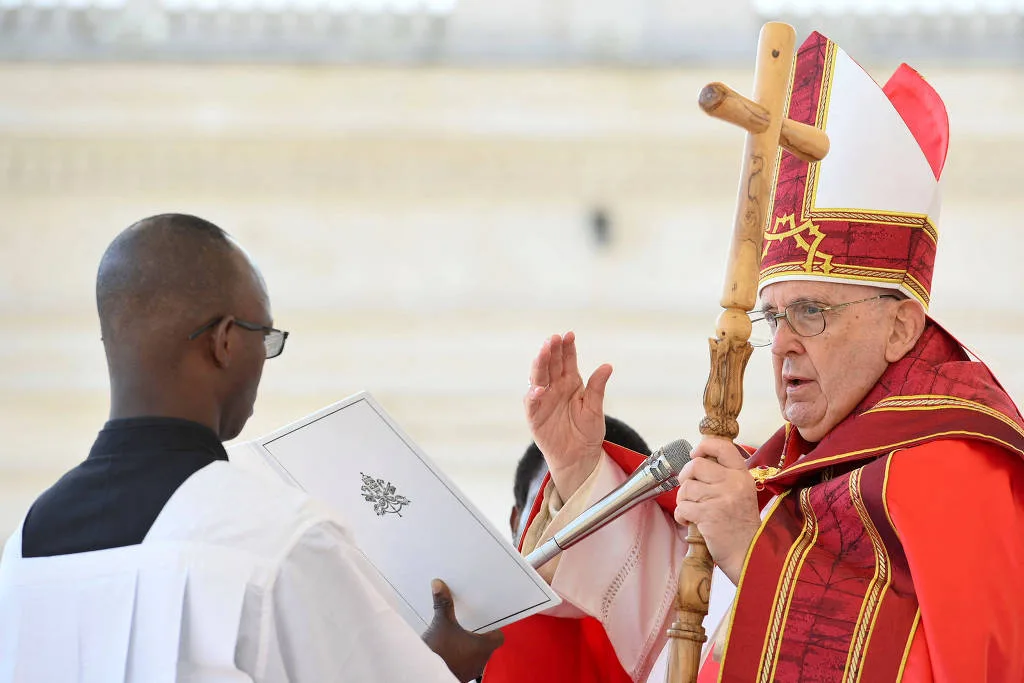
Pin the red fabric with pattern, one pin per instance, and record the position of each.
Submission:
(827, 597)
(905, 247)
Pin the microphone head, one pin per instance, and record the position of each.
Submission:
(675, 454)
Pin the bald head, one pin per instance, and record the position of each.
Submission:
(164, 274)
(160, 280)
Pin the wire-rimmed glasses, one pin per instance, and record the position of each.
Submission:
(805, 318)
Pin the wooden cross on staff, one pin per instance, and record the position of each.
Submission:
(767, 130)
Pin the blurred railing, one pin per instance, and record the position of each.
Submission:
(323, 30)
(635, 32)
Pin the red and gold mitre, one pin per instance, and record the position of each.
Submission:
(867, 213)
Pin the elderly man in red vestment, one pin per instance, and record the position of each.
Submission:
(879, 534)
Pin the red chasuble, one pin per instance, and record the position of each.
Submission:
(882, 532)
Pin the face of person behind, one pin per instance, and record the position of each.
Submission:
(819, 380)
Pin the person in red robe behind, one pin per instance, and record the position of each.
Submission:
(879, 534)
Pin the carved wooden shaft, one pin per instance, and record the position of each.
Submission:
(730, 350)
(686, 634)
(723, 398)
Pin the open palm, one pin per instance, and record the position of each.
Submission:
(566, 416)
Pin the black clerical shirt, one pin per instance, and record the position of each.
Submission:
(112, 498)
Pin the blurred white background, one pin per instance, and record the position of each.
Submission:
(431, 188)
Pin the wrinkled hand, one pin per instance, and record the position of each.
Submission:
(464, 652)
(566, 417)
(719, 497)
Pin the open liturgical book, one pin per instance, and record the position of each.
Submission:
(409, 520)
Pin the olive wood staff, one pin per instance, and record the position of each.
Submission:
(767, 129)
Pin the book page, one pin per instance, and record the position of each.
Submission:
(408, 518)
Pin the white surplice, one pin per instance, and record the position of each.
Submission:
(239, 579)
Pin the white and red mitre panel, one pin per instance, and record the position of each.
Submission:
(867, 213)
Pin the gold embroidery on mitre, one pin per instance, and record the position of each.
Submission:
(785, 226)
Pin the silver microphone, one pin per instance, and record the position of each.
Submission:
(656, 475)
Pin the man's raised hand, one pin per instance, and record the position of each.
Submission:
(566, 417)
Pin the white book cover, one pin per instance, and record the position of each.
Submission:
(410, 521)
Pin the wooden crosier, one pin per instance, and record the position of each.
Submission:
(767, 129)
